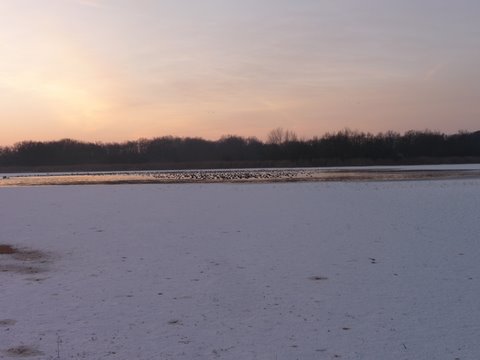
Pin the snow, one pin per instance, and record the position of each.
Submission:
(325, 270)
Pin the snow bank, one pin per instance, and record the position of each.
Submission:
(242, 271)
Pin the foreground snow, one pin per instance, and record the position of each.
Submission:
(275, 271)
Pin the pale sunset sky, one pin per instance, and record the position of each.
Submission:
(114, 70)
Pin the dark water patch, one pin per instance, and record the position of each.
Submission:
(241, 176)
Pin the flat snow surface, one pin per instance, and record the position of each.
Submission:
(377, 270)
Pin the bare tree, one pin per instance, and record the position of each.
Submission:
(280, 136)
(290, 136)
(276, 136)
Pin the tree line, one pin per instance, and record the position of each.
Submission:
(282, 148)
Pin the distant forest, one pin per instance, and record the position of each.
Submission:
(282, 148)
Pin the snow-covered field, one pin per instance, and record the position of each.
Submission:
(350, 270)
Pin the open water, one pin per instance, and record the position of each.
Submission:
(374, 173)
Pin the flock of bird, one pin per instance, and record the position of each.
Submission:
(228, 176)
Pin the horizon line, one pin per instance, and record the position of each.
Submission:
(345, 130)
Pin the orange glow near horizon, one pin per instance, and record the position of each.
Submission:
(98, 70)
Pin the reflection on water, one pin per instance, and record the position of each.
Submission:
(244, 175)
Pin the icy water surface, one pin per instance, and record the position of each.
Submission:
(394, 173)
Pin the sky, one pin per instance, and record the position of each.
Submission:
(115, 70)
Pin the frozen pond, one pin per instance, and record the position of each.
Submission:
(378, 173)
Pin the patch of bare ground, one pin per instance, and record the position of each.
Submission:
(7, 249)
(318, 278)
(30, 255)
(7, 322)
(23, 351)
(22, 261)
(21, 269)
